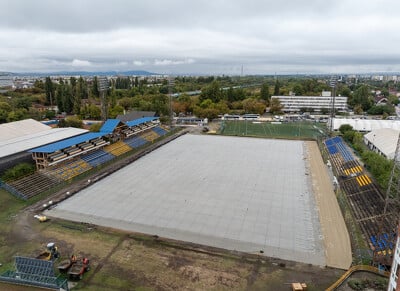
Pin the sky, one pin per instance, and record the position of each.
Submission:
(201, 37)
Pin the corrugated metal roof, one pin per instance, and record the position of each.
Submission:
(110, 125)
(67, 143)
(29, 141)
(366, 124)
(140, 121)
(385, 140)
(21, 128)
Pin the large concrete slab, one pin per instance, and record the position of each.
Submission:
(236, 193)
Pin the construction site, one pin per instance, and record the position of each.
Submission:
(264, 204)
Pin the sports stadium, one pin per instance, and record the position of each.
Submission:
(253, 195)
(256, 188)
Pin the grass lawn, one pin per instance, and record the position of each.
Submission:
(291, 130)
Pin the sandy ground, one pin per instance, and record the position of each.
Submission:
(333, 227)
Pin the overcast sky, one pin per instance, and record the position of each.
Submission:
(206, 37)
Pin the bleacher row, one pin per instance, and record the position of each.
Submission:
(383, 242)
(364, 199)
(96, 158)
(41, 181)
(336, 145)
(363, 180)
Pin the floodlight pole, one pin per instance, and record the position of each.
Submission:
(103, 86)
(170, 85)
(332, 84)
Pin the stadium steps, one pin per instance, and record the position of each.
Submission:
(160, 131)
(70, 170)
(118, 148)
(34, 184)
(150, 136)
(136, 142)
(97, 158)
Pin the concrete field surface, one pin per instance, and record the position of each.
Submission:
(236, 193)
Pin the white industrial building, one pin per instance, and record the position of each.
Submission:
(366, 125)
(394, 282)
(16, 138)
(383, 141)
(293, 103)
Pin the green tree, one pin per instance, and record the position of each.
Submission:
(49, 90)
(126, 103)
(275, 106)
(251, 105)
(298, 90)
(358, 109)
(362, 96)
(115, 111)
(345, 127)
(212, 92)
(95, 87)
(264, 92)
(277, 88)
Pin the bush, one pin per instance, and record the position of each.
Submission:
(345, 127)
(18, 171)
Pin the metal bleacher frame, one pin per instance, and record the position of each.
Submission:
(34, 272)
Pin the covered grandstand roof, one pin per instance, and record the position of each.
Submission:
(135, 115)
(26, 142)
(67, 143)
(110, 125)
(385, 140)
(366, 124)
(107, 128)
(21, 128)
(140, 121)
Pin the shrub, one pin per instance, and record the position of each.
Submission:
(18, 171)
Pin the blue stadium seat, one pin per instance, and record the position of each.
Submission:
(332, 149)
(135, 142)
(97, 158)
(337, 139)
(373, 240)
(329, 142)
(160, 131)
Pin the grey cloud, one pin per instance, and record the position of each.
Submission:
(200, 36)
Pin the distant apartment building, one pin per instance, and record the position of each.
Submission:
(6, 81)
(293, 103)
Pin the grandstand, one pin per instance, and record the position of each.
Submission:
(97, 158)
(136, 142)
(33, 185)
(70, 169)
(67, 159)
(118, 148)
(366, 200)
(150, 136)
(34, 272)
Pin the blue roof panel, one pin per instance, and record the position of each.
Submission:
(50, 148)
(109, 125)
(140, 121)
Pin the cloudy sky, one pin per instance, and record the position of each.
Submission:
(203, 36)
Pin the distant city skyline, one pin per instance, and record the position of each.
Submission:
(202, 37)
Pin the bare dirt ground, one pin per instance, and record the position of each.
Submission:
(336, 237)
